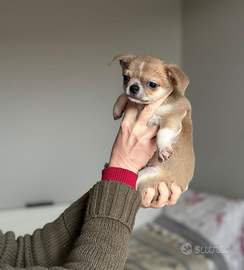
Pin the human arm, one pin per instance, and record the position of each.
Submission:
(108, 221)
(135, 145)
(50, 245)
(104, 238)
(39, 249)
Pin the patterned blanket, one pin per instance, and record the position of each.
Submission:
(157, 246)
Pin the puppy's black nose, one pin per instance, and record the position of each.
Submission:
(134, 88)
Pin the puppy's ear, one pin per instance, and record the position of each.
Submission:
(178, 77)
(124, 59)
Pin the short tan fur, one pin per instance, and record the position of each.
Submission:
(146, 79)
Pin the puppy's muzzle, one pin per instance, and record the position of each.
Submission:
(134, 89)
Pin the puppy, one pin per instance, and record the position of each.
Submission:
(146, 79)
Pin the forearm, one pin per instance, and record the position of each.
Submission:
(48, 246)
(104, 239)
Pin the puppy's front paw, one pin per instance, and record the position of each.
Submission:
(165, 153)
(155, 120)
(117, 111)
(119, 106)
(117, 114)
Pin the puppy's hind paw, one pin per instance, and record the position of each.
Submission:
(165, 154)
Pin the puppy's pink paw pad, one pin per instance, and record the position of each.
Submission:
(165, 154)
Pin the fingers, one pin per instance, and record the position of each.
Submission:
(148, 133)
(175, 194)
(153, 143)
(131, 112)
(162, 198)
(132, 116)
(131, 122)
(149, 110)
(148, 198)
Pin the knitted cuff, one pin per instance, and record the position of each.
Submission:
(120, 175)
(110, 199)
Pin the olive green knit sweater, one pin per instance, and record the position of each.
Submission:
(93, 233)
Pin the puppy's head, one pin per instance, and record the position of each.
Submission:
(147, 78)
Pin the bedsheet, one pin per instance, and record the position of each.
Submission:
(218, 219)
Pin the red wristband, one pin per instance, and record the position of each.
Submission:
(120, 175)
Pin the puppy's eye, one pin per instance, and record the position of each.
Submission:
(126, 78)
(152, 85)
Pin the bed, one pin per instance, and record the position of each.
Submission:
(202, 231)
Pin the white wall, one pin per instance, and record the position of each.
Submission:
(57, 92)
(213, 57)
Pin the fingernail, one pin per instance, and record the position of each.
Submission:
(164, 185)
(175, 185)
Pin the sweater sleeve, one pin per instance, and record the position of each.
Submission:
(50, 245)
(104, 238)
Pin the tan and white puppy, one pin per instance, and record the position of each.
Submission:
(146, 79)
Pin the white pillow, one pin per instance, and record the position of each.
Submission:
(216, 218)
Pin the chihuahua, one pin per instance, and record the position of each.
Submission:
(147, 79)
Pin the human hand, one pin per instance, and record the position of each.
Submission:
(136, 142)
(163, 196)
(135, 145)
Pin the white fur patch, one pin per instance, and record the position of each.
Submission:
(141, 67)
(164, 109)
(165, 138)
(134, 81)
(147, 172)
